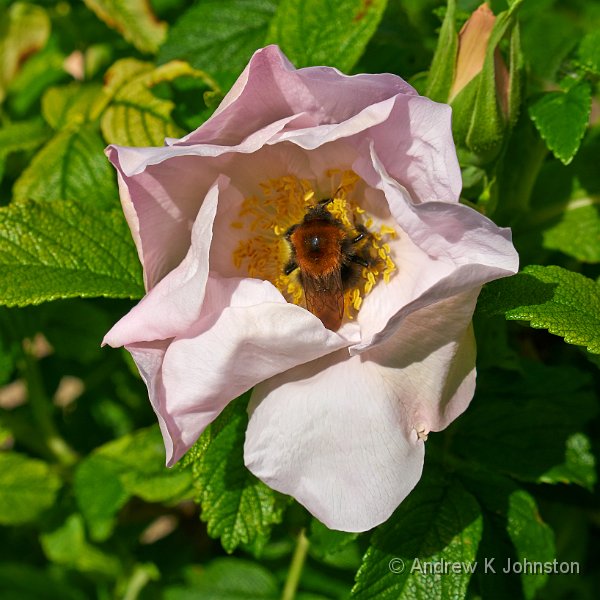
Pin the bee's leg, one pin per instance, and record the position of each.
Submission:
(289, 232)
(359, 260)
(363, 232)
(290, 267)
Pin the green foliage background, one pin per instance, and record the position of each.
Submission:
(87, 508)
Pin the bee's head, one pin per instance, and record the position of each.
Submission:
(319, 212)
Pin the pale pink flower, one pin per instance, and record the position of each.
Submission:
(336, 419)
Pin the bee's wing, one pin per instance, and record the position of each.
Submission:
(325, 298)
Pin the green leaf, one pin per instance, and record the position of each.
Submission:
(141, 461)
(563, 302)
(135, 117)
(532, 538)
(22, 136)
(99, 494)
(43, 69)
(439, 522)
(71, 166)
(588, 52)
(334, 548)
(441, 73)
(227, 579)
(548, 37)
(578, 231)
(75, 329)
(562, 118)
(27, 488)
(524, 427)
(579, 466)
(513, 531)
(313, 32)
(219, 36)
(134, 20)
(325, 542)
(64, 250)
(237, 507)
(133, 465)
(21, 581)
(67, 546)
(72, 104)
(24, 29)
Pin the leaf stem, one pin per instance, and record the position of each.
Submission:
(527, 152)
(296, 566)
(41, 409)
(141, 576)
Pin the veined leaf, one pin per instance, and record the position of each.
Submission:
(135, 117)
(588, 52)
(563, 302)
(313, 32)
(514, 530)
(578, 231)
(219, 36)
(437, 523)
(536, 418)
(236, 506)
(22, 136)
(73, 103)
(134, 20)
(228, 579)
(71, 166)
(51, 250)
(562, 118)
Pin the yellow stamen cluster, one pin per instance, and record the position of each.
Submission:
(283, 203)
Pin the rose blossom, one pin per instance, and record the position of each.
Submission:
(337, 419)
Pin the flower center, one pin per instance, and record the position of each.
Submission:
(324, 253)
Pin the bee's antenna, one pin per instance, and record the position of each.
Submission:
(326, 201)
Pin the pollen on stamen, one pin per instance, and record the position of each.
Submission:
(283, 203)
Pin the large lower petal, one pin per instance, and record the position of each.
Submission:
(343, 435)
(332, 436)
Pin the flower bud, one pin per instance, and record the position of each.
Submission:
(481, 89)
(472, 46)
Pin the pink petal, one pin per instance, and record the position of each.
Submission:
(411, 134)
(444, 249)
(417, 149)
(332, 436)
(162, 189)
(271, 88)
(340, 434)
(431, 358)
(175, 303)
(149, 359)
(247, 333)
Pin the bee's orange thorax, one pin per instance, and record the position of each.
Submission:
(317, 245)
